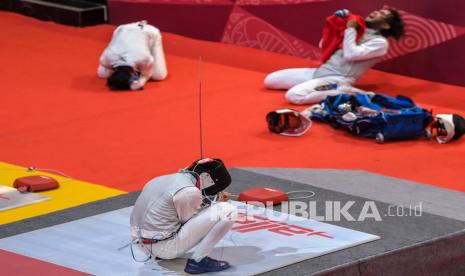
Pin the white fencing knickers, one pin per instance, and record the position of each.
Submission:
(301, 85)
(205, 229)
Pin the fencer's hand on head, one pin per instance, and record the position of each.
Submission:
(353, 24)
(224, 196)
(342, 13)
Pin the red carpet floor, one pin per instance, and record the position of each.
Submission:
(18, 265)
(55, 113)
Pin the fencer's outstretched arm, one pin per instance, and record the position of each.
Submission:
(370, 49)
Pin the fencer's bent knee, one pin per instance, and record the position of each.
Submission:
(224, 211)
(293, 96)
(271, 81)
(159, 76)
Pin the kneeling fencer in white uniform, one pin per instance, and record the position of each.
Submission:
(134, 56)
(173, 214)
(345, 66)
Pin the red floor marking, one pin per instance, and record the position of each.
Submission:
(4, 197)
(14, 264)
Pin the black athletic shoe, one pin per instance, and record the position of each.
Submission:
(205, 265)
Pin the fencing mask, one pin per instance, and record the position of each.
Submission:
(288, 122)
(214, 177)
(448, 127)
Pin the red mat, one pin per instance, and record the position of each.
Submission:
(18, 265)
(55, 113)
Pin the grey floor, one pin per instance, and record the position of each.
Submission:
(432, 243)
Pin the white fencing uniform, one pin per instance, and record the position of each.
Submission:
(168, 210)
(343, 68)
(138, 45)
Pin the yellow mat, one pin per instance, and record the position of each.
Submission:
(71, 193)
